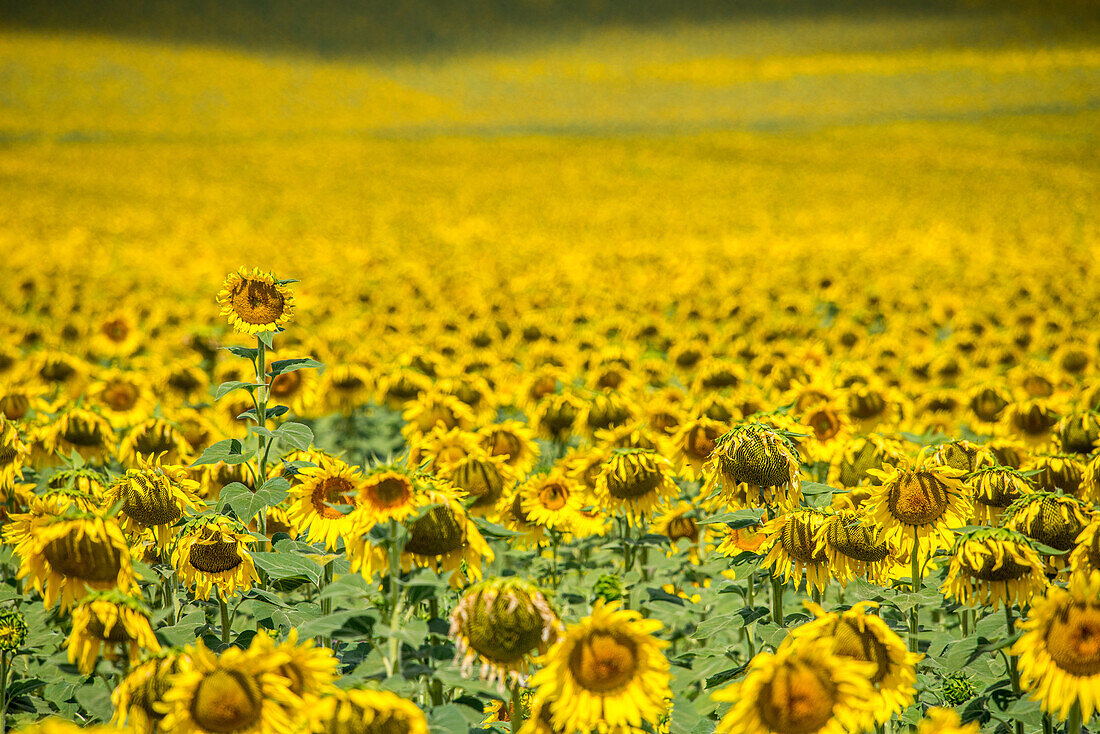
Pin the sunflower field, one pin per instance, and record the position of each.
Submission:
(687, 374)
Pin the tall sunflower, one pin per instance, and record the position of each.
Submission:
(255, 302)
(920, 506)
(635, 481)
(994, 566)
(104, 621)
(240, 691)
(866, 638)
(805, 687)
(1059, 657)
(212, 550)
(607, 671)
(154, 496)
(502, 623)
(761, 459)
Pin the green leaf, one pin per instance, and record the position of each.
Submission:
(246, 352)
(267, 338)
(351, 622)
(246, 504)
(738, 519)
(709, 627)
(297, 435)
(285, 566)
(229, 386)
(229, 450)
(19, 687)
(283, 366)
(237, 497)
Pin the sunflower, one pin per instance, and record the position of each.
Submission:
(155, 436)
(1078, 433)
(1031, 420)
(828, 427)
(635, 481)
(512, 516)
(994, 489)
(154, 496)
(297, 389)
(741, 540)
(917, 508)
(434, 450)
(255, 302)
(964, 455)
(691, 445)
(1052, 519)
(868, 639)
(388, 492)
(805, 687)
(1059, 659)
(605, 409)
(851, 466)
(434, 408)
(791, 549)
(987, 401)
(17, 401)
(401, 386)
(945, 721)
(212, 550)
(344, 387)
(607, 671)
(361, 711)
(68, 555)
(240, 691)
(1085, 558)
(1062, 473)
(483, 477)
(183, 379)
(103, 621)
(81, 430)
(13, 630)
(13, 454)
(123, 397)
(311, 670)
(762, 459)
(678, 523)
(1090, 482)
(502, 623)
(556, 417)
(315, 502)
(992, 566)
(116, 335)
(445, 539)
(855, 547)
(138, 699)
(551, 501)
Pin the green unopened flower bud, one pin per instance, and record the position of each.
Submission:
(957, 689)
(13, 630)
(609, 587)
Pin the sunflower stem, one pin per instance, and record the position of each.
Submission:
(914, 613)
(965, 619)
(750, 602)
(777, 601)
(261, 419)
(516, 719)
(1013, 671)
(3, 691)
(326, 601)
(1048, 725)
(1073, 724)
(227, 624)
(394, 664)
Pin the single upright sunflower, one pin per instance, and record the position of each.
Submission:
(502, 623)
(551, 501)
(855, 547)
(635, 481)
(920, 506)
(607, 671)
(255, 302)
(154, 496)
(866, 638)
(212, 550)
(792, 550)
(994, 566)
(321, 505)
(805, 687)
(239, 691)
(762, 459)
(103, 621)
(1059, 653)
(512, 440)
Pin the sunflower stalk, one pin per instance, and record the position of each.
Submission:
(1013, 671)
(261, 419)
(4, 664)
(393, 662)
(914, 613)
(750, 602)
(516, 719)
(227, 623)
(1073, 724)
(777, 600)
(326, 601)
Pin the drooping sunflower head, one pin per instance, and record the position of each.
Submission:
(106, 621)
(607, 671)
(994, 566)
(255, 301)
(78, 429)
(963, 455)
(1078, 433)
(692, 444)
(483, 477)
(154, 496)
(13, 630)
(855, 547)
(557, 415)
(1059, 653)
(502, 623)
(361, 711)
(864, 637)
(155, 436)
(1063, 473)
(138, 699)
(792, 549)
(606, 409)
(212, 550)
(987, 401)
(850, 467)
(634, 481)
(678, 523)
(805, 687)
(920, 505)
(755, 465)
(236, 691)
(1052, 519)
(1031, 420)
(994, 489)
(434, 409)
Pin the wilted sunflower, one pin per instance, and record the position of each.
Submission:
(434, 408)
(104, 621)
(556, 417)
(482, 476)
(1085, 558)
(635, 481)
(792, 550)
(503, 623)
(66, 556)
(855, 547)
(917, 508)
(321, 504)
(344, 387)
(1052, 519)
(945, 721)
(154, 496)
(445, 539)
(1062, 473)
(692, 444)
(138, 699)
(13, 454)
(77, 429)
(240, 691)
(804, 688)
(994, 566)
(867, 638)
(212, 550)
(988, 401)
(1090, 483)
(964, 455)
(762, 459)
(154, 436)
(607, 671)
(994, 490)
(1078, 433)
(605, 409)
(1059, 658)
(311, 670)
(360, 711)
(1031, 420)
(850, 467)
(255, 302)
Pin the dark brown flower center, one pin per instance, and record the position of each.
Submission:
(797, 700)
(1073, 639)
(227, 701)
(604, 661)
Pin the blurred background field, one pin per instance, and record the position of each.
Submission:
(462, 136)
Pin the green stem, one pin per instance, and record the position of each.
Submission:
(394, 663)
(964, 617)
(816, 593)
(777, 601)
(3, 691)
(1073, 725)
(326, 601)
(1013, 672)
(1048, 725)
(554, 540)
(227, 625)
(750, 602)
(914, 613)
(516, 719)
(261, 418)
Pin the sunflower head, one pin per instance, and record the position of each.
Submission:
(757, 455)
(1052, 519)
(255, 302)
(793, 549)
(503, 622)
(13, 630)
(994, 489)
(104, 621)
(957, 688)
(1063, 473)
(154, 496)
(138, 699)
(361, 711)
(635, 481)
(987, 402)
(850, 467)
(921, 505)
(855, 546)
(994, 565)
(1078, 433)
(963, 455)
(213, 550)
